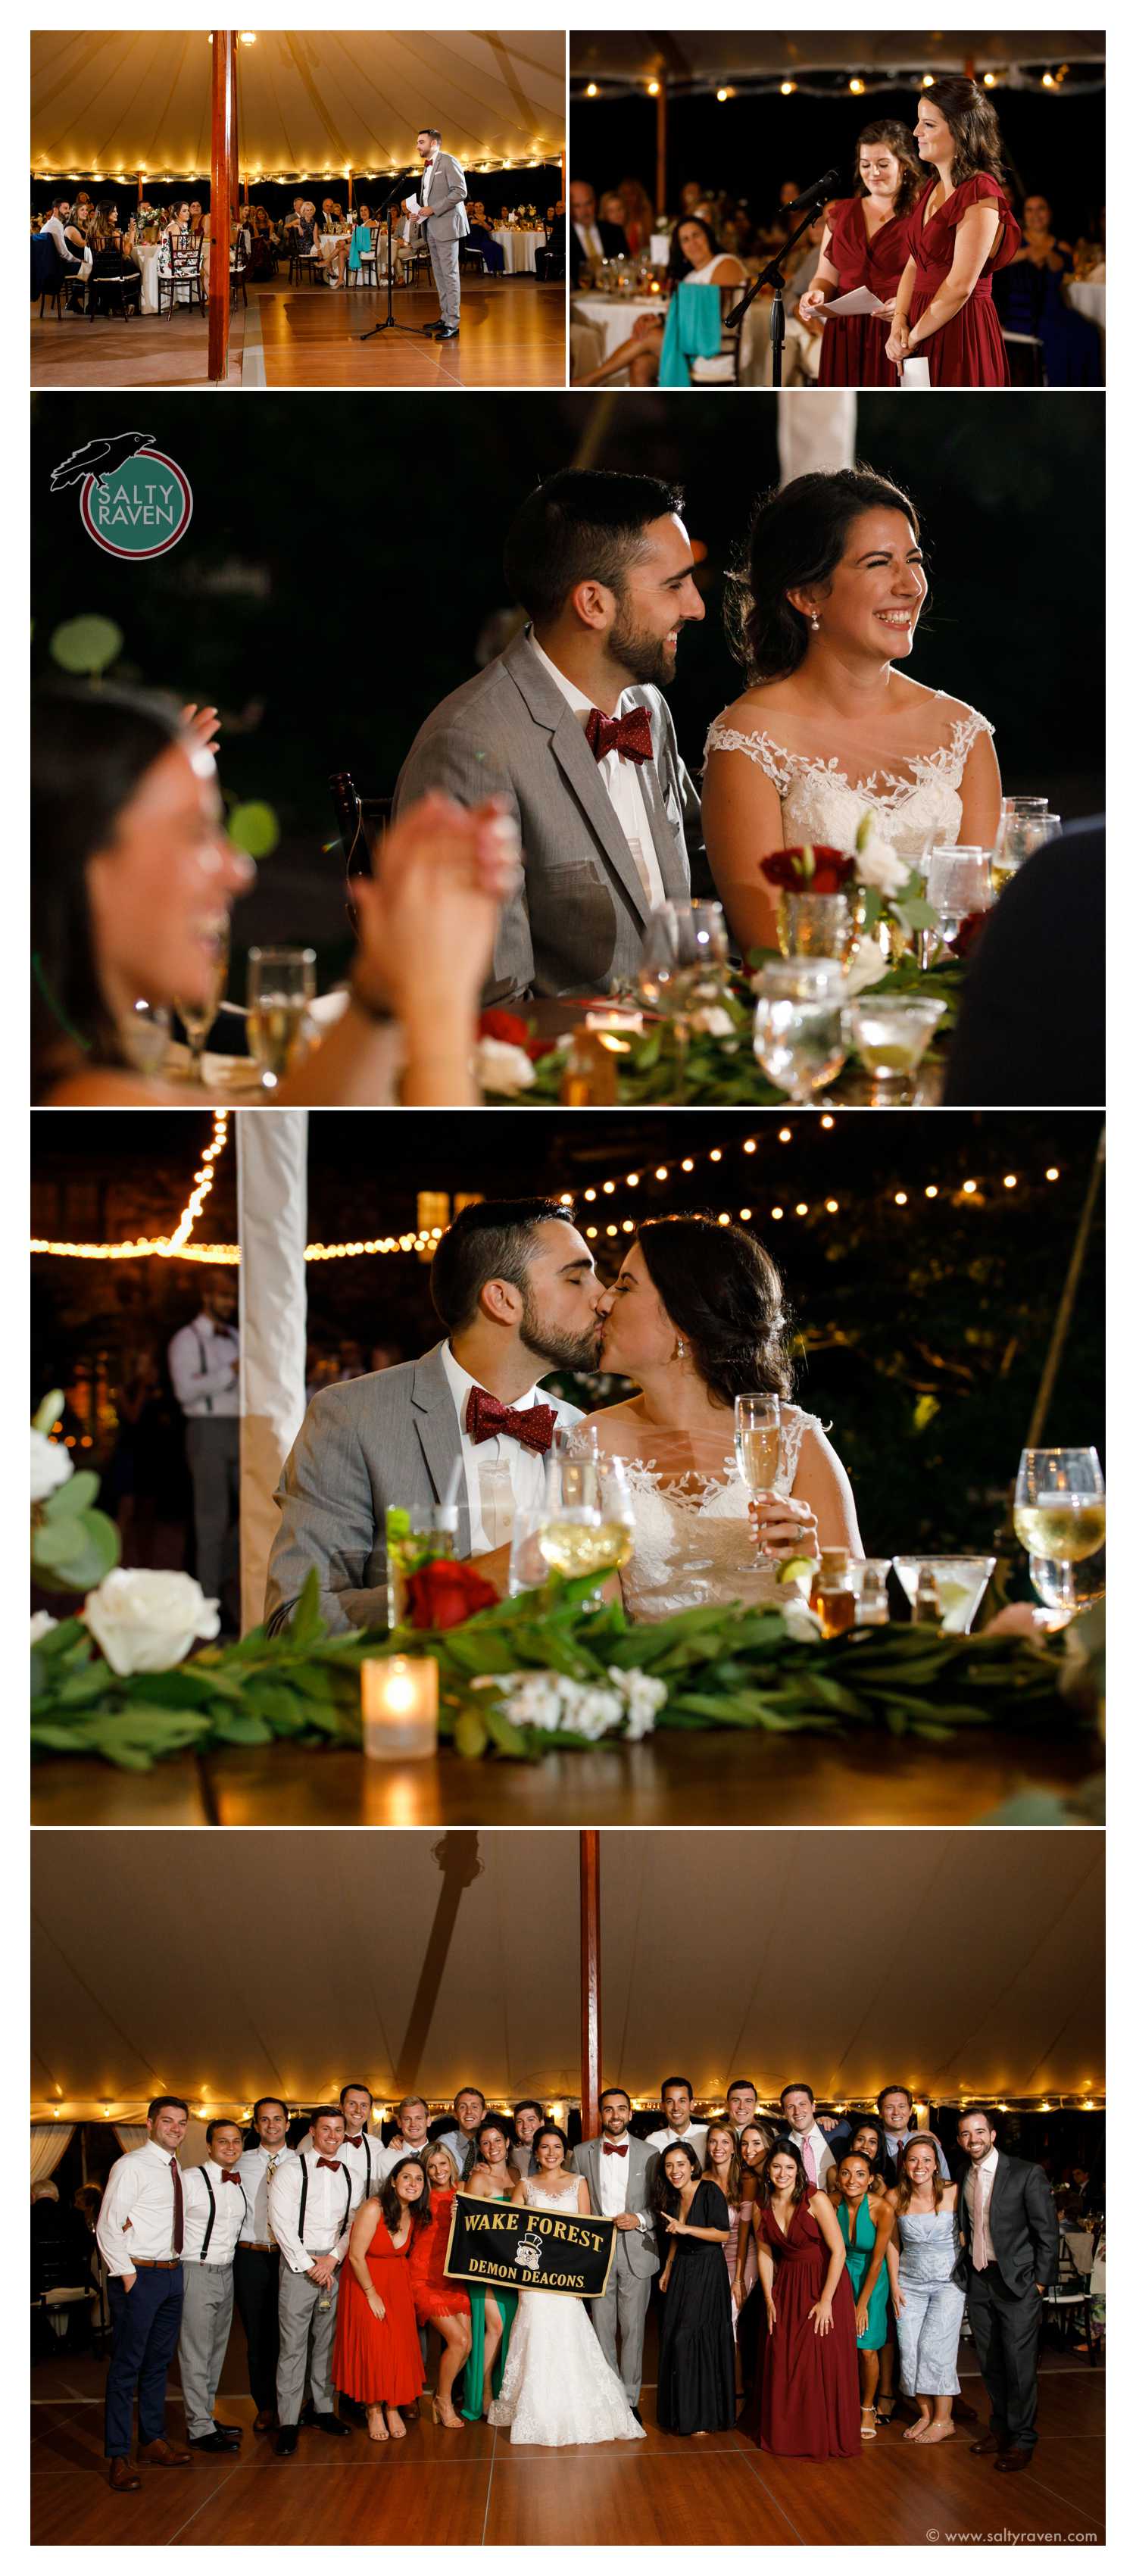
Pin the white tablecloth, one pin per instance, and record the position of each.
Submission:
(520, 248)
(1088, 300)
(147, 255)
(613, 315)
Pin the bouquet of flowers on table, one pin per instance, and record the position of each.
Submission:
(864, 905)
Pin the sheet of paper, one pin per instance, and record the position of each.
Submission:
(412, 203)
(916, 376)
(859, 300)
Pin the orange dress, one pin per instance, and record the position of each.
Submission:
(433, 2295)
(377, 2359)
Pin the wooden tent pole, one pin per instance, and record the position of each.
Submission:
(219, 200)
(235, 145)
(1068, 1299)
(590, 2045)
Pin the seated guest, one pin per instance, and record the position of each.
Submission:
(377, 2360)
(438, 2302)
(1029, 297)
(410, 2137)
(695, 260)
(134, 878)
(809, 2407)
(590, 241)
(1037, 965)
(923, 2261)
(696, 2348)
(141, 2231)
(676, 2093)
(602, 565)
(638, 216)
(177, 227)
(481, 238)
(611, 212)
(198, 221)
(864, 2217)
(806, 2132)
(215, 2212)
(550, 260)
(110, 264)
(256, 2262)
(309, 2214)
(528, 2117)
(59, 226)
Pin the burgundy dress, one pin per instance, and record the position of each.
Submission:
(970, 350)
(377, 2359)
(434, 2296)
(853, 344)
(810, 2383)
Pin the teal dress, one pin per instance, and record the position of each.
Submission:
(861, 2247)
(473, 2373)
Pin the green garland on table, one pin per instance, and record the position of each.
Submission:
(721, 1666)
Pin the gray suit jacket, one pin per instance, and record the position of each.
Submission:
(446, 202)
(389, 1438)
(576, 924)
(641, 2249)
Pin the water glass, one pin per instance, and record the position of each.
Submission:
(798, 1034)
(958, 884)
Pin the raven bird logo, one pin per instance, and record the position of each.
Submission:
(100, 457)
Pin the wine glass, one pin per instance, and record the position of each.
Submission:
(757, 1443)
(588, 1523)
(281, 989)
(798, 1034)
(891, 1033)
(1059, 1512)
(958, 883)
(685, 946)
(198, 1013)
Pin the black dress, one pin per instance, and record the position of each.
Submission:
(696, 2356)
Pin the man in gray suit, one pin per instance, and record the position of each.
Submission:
(441, 214)
(619, 2171)
(515, 1286)
(569, 727)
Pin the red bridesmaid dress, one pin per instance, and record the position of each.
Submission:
(377, 2359)
(853, 344)
(810, 2383)
(970, 350)
(433, 2295)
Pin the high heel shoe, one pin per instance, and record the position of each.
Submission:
(452, 2423)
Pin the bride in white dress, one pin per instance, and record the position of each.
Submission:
(695, 1317)
(557, 2386)
(828, 728)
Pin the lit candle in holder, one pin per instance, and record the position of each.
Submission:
(400, 1708)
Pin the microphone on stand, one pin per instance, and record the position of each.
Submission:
(820, 188)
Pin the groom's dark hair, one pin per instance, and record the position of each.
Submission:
(494, 1240)
(581, 526)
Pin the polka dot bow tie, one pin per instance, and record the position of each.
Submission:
(629, 735)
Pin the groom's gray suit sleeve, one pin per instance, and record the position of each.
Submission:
(327, 1519)
(458, 764)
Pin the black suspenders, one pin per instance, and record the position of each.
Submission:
(344, 2222)
(211, 2197)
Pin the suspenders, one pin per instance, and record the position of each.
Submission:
(345, 2220)
(212, 2200)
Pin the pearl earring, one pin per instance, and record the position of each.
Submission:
(680, 1348)
(814, 622)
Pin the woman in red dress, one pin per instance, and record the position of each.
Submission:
(959, 231)
(377, 2360)
(810, 2386)
(438, 2302)
(865, 244)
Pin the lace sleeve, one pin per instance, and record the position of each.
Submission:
(793, 1428)
(965, 730)
(758, 747)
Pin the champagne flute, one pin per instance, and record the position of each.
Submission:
(757, 1445)
(198, 1012)
(281, 989)
(1059, 1512)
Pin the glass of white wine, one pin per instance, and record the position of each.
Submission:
(198, 1013)
(1059, 1514)
(588, 1526)
(281, 990)
(757, 1442)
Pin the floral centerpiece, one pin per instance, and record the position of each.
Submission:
(863, 905)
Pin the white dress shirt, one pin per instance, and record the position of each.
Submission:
(426, 179)
(694, 2137)
(588, 236)
(623, 783)
(328, 2208)
(228, 2217)
(614, 2173)
(254, 2168)
(360, 2155)
(524, 1467)
(384, 2159)
(140, 2187)
(201, 1361)
(981, 2177)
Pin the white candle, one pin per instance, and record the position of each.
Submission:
(400, 1708)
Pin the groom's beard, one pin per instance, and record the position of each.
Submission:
(562, 1350)
(646, 658)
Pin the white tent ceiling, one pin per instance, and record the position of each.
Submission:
(227, 1964)
(117, 103)
(704, 55)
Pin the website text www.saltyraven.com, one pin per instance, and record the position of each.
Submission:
(1013, 2539)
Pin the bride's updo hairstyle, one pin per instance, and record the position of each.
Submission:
(797, 537)
(549, 2130)
(722, 1293)
(974, 126)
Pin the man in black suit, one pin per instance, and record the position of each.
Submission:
(1030, 1031)
(589, 241)
(1008, 2229)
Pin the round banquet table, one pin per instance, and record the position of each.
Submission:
(147, 255)
(520, 247)
(613, 315)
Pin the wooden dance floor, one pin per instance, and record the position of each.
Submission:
(474, 2489)
(512, 334)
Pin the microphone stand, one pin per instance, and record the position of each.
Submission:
(388, 323)
(773, 276)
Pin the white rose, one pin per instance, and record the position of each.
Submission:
(500, 1067)
(146, 1621)
(867, 966)
(51, 1466)
(879, 865)
(41, 1624)
(713, 1022)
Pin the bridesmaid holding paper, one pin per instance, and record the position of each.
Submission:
(865, 245)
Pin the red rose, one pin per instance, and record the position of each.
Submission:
(444, 1594)
(510, 1030)
(816, 870)
(969, 933)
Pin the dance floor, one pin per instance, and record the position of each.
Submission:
(474, 2489)
(512, 333)
(674, 1780)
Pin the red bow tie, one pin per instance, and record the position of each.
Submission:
(613, 2151)
(486, 1415)
(353, 2142)
(629, 735)
(232, 2177)
(327, 2164)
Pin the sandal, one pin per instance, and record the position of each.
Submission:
(881, 2418)
(867, 2431)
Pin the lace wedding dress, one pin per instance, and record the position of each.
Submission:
(693, 1542)
(557, 2386)
(916, 802)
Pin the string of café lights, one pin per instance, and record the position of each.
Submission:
(1051, 83)
(419, 1241)
(710, 2105)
